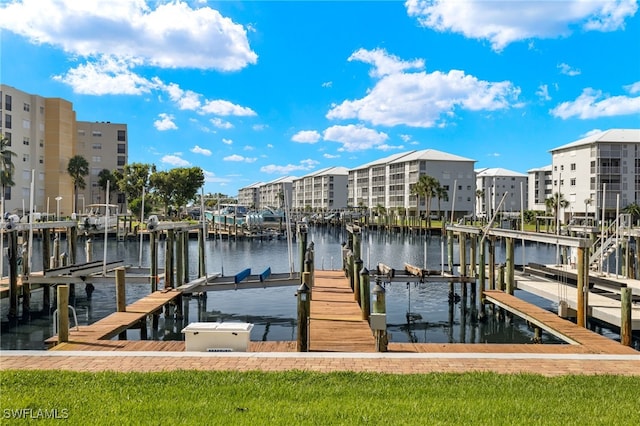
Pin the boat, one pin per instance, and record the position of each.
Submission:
(97, 217)
(228, 214)
(266, 218)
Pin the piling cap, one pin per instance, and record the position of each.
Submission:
(364, 271)
(304, 288)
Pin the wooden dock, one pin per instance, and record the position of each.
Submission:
(118, 322)
(552, 323)
(336, 323)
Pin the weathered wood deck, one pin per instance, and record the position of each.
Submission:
(552, 323)
(336, 324)
(118, 322)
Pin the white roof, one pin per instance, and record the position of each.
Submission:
(609, 136)
(500, 172)
(540, 169)
(283, 179)
(384, 160)
(252, 186)
(338, 171)
(430, 155)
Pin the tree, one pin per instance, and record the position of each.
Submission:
(177, 186)
(133, 180)
(441, 194)
(77, 168)
(479, 197)
(634, 210)
(555, 203)
(7, 167)
(105, 176)
(426, 187)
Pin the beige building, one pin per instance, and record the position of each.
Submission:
(275, 193)
(540, 182)
(249, 196)
(44, 135)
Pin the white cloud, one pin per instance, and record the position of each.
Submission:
(197, 150)
(240, 158)
(543, 92)
(306, 136)
(259, 127)
(175, 160)
(225, 108)
(567, 70)
(330, 156)
(505, 22)
(108, 75)
(220, 123)
(327, 84)
(269, 145)
(211, 177)
(307, 164)
(633, 88)
(594, 104)
(165, 122)
(355, 137)
(248, 148)
(423, 99)
(185, 99)
(169, 35)
(227, 141)
(383, 63)
(591, 133)
(387, 147)
(494, 154)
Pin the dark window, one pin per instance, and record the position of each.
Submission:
(121, 198)
(8, 136)
(121, 161)
(7, 121)
(121, 148)
(7, 193)
(122, 135)
(7, 102)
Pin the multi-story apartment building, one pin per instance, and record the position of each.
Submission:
(249, 196)
(388, 182)
(601, 171)
(324, 189)
(491, 186)
(277, 193)
(540, 183)
(44, 135)
(104, 146)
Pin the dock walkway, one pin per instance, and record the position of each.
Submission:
(552, 323)
(118, 322)
(336, 323)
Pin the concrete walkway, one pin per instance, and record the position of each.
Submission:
(393, 363)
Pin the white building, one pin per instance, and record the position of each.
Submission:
(388, 182)
(325, 189)
(249, 196)
(492, 184)
(540, 184)
(604, 165)
(276, 193)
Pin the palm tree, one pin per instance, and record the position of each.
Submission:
(6, 166)
(441, 194)
(555, 203)
(634, 210)
(426, 187)
(78, 168)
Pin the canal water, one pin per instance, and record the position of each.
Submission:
(416, 312)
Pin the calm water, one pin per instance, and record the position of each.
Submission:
(273, 311)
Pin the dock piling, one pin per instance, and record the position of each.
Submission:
(625, 318)
(304, 309)
(63, 313)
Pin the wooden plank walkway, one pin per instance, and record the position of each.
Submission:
(118, 322)
(336, 324)
(552, 323)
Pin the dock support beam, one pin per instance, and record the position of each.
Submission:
(583, 286)
(365, 295)
(625, 317)
(153, 272)
(510, 264)
(462, 247)
(13, 275)
(492, 262)
(450, 251)
(46, 293)
(168, 261)
(357, 266)
(63, 313)
(304, 311)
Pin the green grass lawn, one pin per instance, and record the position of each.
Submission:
(302, 398)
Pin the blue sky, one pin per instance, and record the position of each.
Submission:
(252, 91)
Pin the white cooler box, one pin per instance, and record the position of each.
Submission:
(217, 336)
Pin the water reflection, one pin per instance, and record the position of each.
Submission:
(416, 312)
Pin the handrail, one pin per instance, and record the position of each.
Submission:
(55, 319)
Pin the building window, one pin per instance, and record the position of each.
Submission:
(573, 167)
(96, 133)
(81, 132)
(41, 143)
(121, 148)
(7, 193)
(26, 107)
(25, 158)
(41, 160)
(7, 102)
(121, 161)
(122, 135)
(25, 141)
(573, 182)
(97, 146)
(26, 124)
(561, 167)
(96, 159)
(7, 121)
(8, 136)
(41, 110)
